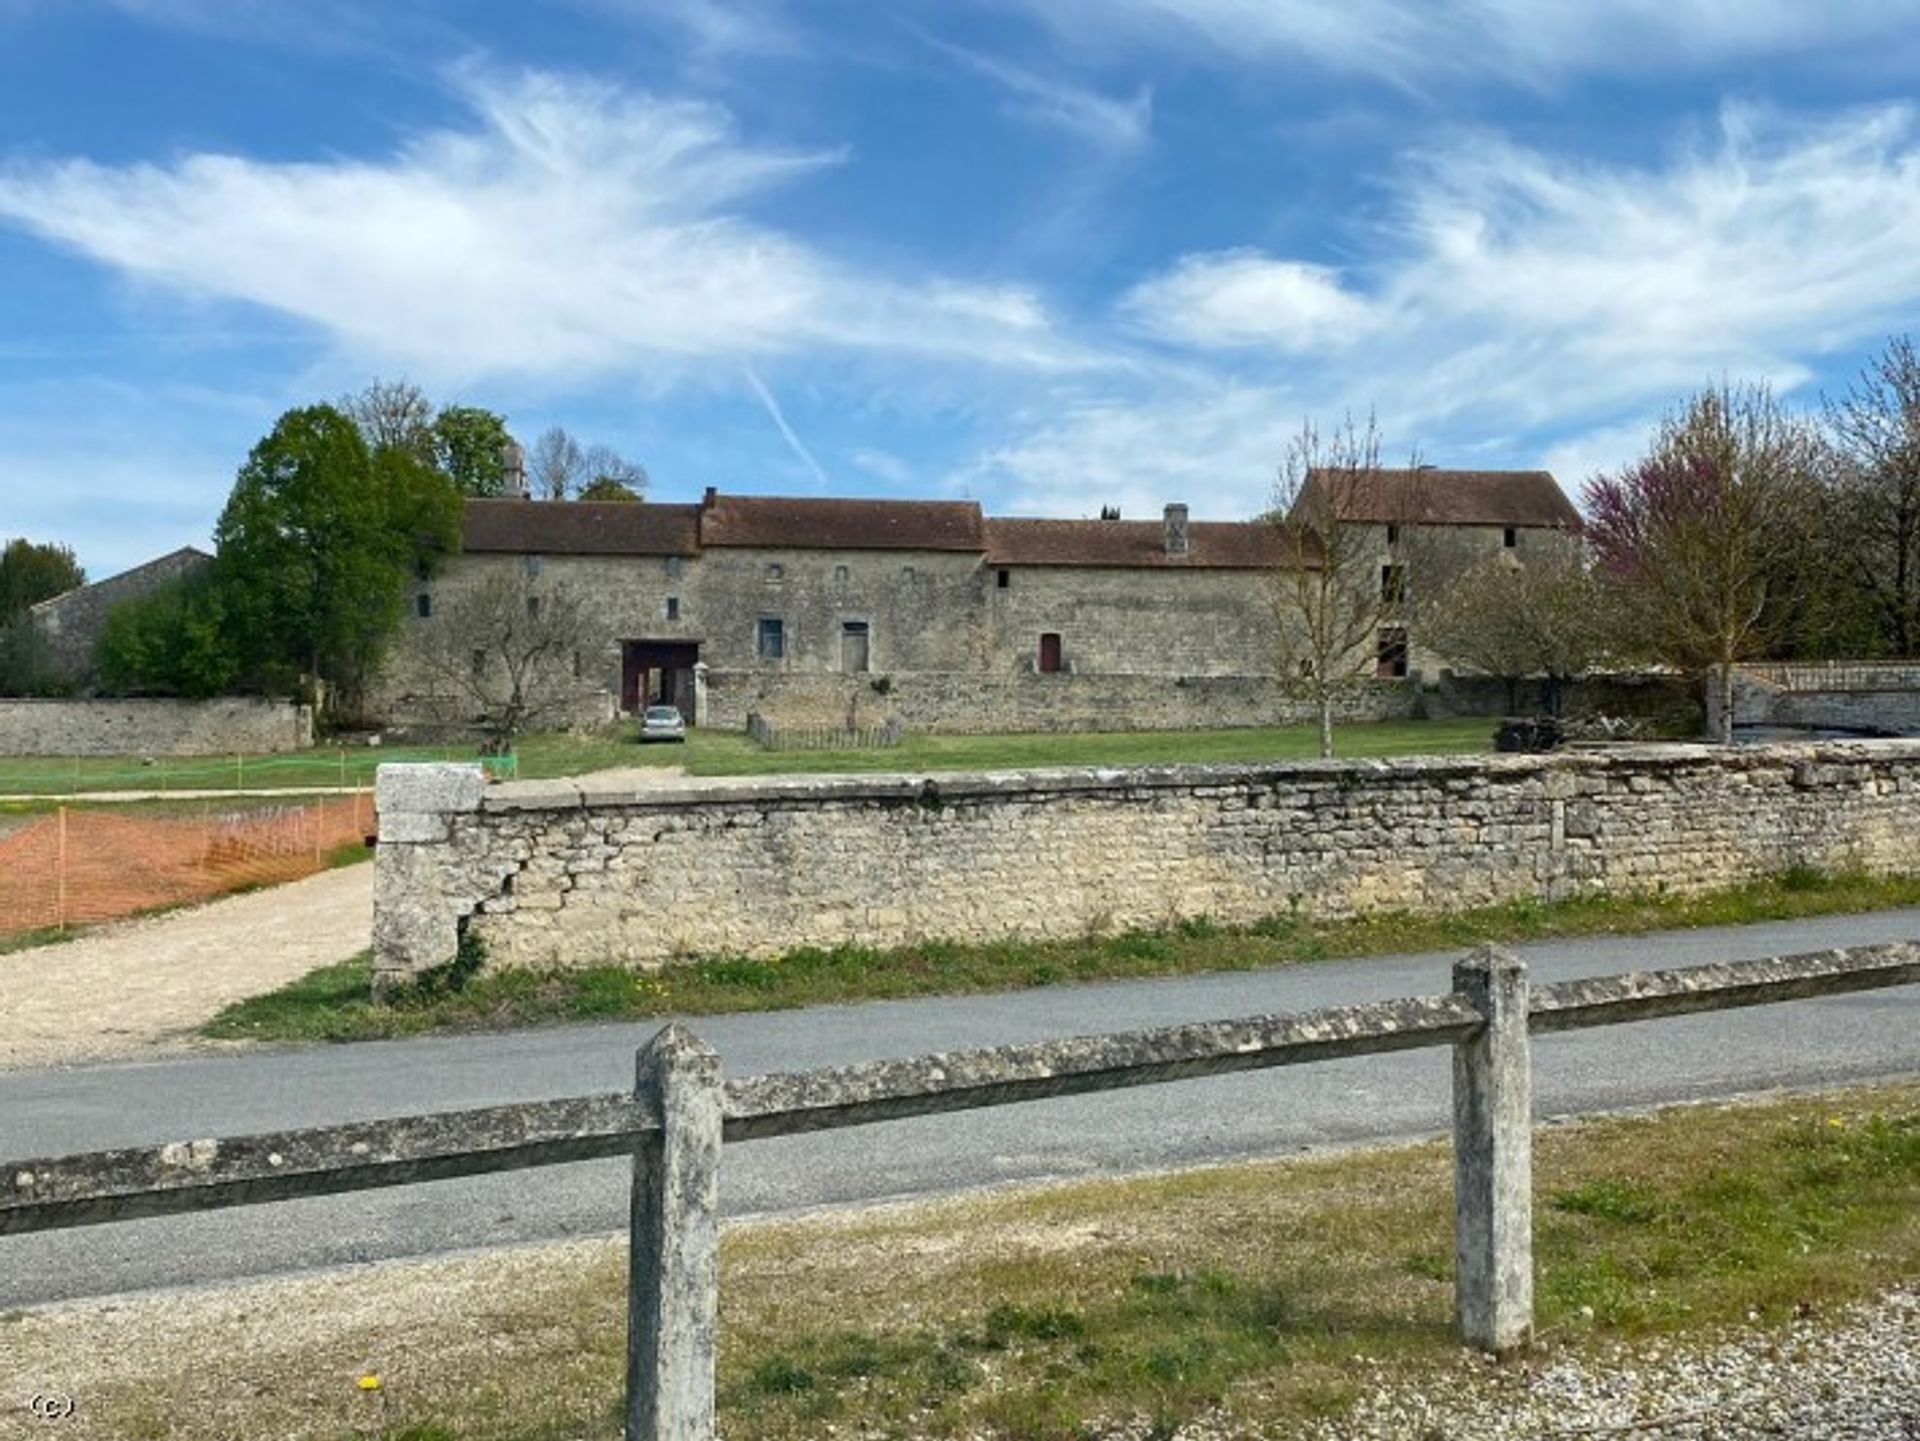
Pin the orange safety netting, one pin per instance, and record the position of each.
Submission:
(79, 865)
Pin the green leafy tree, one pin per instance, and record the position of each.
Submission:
(318, 541)
(31, 573)
(172, 641)
(470, 447)
(606, 487)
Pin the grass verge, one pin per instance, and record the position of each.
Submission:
(332, 1004)
(1266, 1296)
(714, 752)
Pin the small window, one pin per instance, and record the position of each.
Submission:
(1511, 538)
(776, 571)
(1050, 653)
(673, 607)
(673, 567)
(1393, 533)
(535, 564)
(533, 607)
(479, 661)
(1391, 656)
(576, 665)
(906, 572)
(1003, 579)
(772, 638)
(1393, 584)
(423, 605)
(839, 575)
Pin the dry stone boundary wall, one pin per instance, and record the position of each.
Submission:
(152, 727)
(582, 873)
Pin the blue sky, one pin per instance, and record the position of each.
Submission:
(1049, 254)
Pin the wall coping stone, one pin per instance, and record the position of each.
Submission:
(932, 788)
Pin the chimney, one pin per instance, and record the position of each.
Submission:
(713, 494)
(1176, 530)
(513, 470)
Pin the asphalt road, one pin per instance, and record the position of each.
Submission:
(1839, 1040)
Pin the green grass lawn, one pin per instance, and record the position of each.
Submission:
(717, 753)
(335, 1004)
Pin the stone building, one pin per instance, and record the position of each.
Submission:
(842, 611)
(65, 629)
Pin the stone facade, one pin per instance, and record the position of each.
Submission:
(580, 873)
(67, 628)
(152, 727)
(927, 613)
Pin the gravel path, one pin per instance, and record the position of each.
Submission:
(125, 989)
(1851, 1377)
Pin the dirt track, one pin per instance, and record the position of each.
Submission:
(127, 989)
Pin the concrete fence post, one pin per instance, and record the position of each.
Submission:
(673, 1277)
(1493, 1157)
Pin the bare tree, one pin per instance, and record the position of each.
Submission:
(559, 467)
(394, 414)
(1340, 594)
(1694, 537)
(556, 465)
(607, 468)
(519, 652)
(1512, 619)
(1874, 432)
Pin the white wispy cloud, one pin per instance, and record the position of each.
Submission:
(1242, 297)
(1516, 299)
(574, 228)
(779, 418)
(1407, 42)
(1101, 120)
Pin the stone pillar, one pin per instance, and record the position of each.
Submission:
(699, 693)
(415, 919)
(673, 1275)
(1493, 1157)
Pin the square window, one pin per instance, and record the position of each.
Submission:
(1003, 579)
(673, 567)
(906, 572)
(1512, 538)
(1393, 533)
(673, 607)
(535, 564)
(423, 605)
(772, 638)
(776, 571)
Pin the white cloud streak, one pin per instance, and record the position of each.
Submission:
(1410, 42)
(1514, 299)
(778, 416)
(575, 229)
(1100, 120)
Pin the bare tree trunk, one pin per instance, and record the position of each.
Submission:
(1725, 680)
(1326, 725)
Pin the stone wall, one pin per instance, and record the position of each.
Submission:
(577, 873)
(1865, 697)
(960, 703)
(152, 727)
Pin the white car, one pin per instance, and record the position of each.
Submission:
(662, 723)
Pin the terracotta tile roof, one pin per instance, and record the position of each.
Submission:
(1456, 497)
(582, 527)
(782, 522)
(1212, 545)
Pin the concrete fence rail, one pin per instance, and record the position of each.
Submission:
(682, 1111)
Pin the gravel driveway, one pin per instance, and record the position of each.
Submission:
(127, 988)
